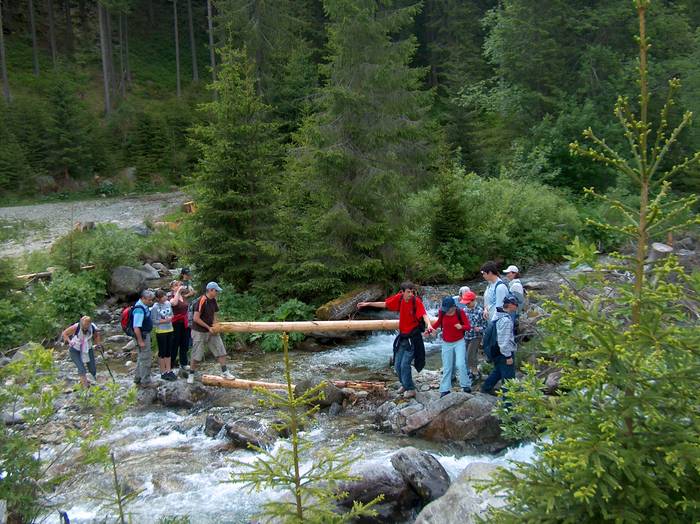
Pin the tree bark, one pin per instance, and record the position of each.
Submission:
(104, 50)
(237, 383)
(126, 49)
(52, 32)
(110, 50)
(177, 50)
(193, 44)
(122, 75)
(3, 63)
(69, 27)
(32, 29)
(82, 13)
(212, 53)
(306, 327)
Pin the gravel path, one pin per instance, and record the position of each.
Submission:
(47, 222)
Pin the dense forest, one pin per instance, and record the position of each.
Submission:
(331, 142)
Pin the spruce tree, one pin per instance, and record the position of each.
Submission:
(235, 179)
(366, 145)
(623, 436)
(14, 169)
(69, 136)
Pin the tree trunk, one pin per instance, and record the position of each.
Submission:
(306, 327)
(104, 50)
(82, 13)
(177, 49)
(110, 50)
(3, 63)
(237, 383)
(122, 75)
(52, 32)
(193, 44)
(32, 29)
(212, 53)
(69, 27)
(126, 49)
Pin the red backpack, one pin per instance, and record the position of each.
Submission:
(126, 320)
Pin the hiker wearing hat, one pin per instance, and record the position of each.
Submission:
(504, 362)
(514, 285)
(472, 337)
(203, 335)
(454, 324)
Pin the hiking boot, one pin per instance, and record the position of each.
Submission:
(169, 376)
(190, 378)
(467, 390)
(401, 390)
(227, 375)
(444, 393)
(411, 393)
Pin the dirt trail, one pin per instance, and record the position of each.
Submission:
(50, 221)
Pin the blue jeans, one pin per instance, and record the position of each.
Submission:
(454, 354)
(402, 364)
(501, 371)
(78, 361)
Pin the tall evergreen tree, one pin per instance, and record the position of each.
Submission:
(14, 168)
(52, 32)
(3, 63)
(368, 143)
(32, 30)
(235, 179)
(69, 134)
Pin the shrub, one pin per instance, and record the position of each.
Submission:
(72, 296)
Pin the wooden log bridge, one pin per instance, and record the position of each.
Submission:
(310, 326)
(237, 383)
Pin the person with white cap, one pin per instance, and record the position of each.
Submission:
(203, 334)
(514, 285)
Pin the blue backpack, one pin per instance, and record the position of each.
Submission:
(491, 347)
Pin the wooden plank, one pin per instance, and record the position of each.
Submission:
(306, 327)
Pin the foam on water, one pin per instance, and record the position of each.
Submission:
(372, 353)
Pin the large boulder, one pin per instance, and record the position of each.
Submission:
(464, 502)
(459, 417)
(251, 430)
(422, 472)
(331, 393)
(345, 306)
(400, 500)
(180, 394)
(127, 282)
(213, 425)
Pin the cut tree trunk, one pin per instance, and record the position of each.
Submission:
(3, 64)
(193, 44)
(52, 33)
(237, 383)
(306, 327)
(105, 65)
(177, 50)
(32, 29)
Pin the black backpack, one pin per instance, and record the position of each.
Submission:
(491, 348)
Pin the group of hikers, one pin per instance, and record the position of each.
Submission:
(463, 323)
(181, 323)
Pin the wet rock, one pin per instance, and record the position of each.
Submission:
(151, 272)
(464, 503)
(460, 417)
(311, 345)
(346, 305)
(685, 243)
(551, 383)
(250, 430)
(146, 396)
(141, 230)
(161, 269)
(20, 352)
(399, 501)
(331, 393)
(118, 339)
(11, 419)
(335, 409)
(422, 472)
(213, 425)
(102, 315)
(180, 394)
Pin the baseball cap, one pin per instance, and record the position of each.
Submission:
(510, 299)
(469, 296)
(511, 269)
(447, 303)
(213, 285)
(185, 271)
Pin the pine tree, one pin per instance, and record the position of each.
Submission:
(368, 143)
(624, 435)
(14, 169)
(69, 135)
(235, 180)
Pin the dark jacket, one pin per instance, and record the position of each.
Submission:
(415, 338)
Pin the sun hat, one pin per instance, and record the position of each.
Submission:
(511, 269)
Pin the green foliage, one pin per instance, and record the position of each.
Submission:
(72, 296)
(290, 310)
(235, 178)
(314, 490)
(368, 142)
(624, 434)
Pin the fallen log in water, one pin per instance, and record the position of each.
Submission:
(306, 327)
(237, 383)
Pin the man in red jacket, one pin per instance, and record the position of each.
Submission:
(408, 345)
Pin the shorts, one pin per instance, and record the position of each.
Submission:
(200, 341)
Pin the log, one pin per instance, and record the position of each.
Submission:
(237, 383)
(48, 273)
(189, 207)
(306, 327)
